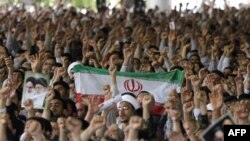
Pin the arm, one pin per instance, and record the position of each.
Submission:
(171, 40)
(3, 126)
(28, 34)
(92, 107)
(114, 88)
(187, 110)
(163, 41)
(62, 129)
(216, 99)
(127, 55)
(96, 123)
(28, 106)
(49, 97)
(135, 124)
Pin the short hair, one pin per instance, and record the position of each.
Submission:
(72, 103)
(64, 84)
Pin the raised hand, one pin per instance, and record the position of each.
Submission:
(50, 94)
(147, 101)
(186, 95)
(202, 73)
(9, 86)
(171, 36)
(128, 52)
(113, 131)
(8, 62)
(97, 122)
(195, 81)
(135, 123)
(73, 125)
(36, 61)
(216, 97)
(175, 114)
(61, 123)
(188, 107)
(92, 103)
(164, 52)
(28, 105)
(106, 89)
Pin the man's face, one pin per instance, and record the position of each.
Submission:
(29, 87)
(194, 59)
(58, 50)
(81, 110)
(65, 60)
(3, 52)
(46, 69)
(56, 107)
(242, 109)
(33, 127)
(125, 111)
(61, 90)
(40, 89)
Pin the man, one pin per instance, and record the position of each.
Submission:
(63, 88)
(81, 110)
(125, 108)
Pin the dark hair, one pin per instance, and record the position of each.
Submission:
(42, 82)
(64, 84)
(72, 103)
(32, 80)
(218, 73)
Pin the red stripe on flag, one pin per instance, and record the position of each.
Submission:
(157, 109)
(79, 96)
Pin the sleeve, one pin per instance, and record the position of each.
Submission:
(193, 44)
(212, 65)
(114, 89)
(124, 68)
(171, 52)
(225, 63)
(162, 45)
(219, 67)
(167, 64)
(47, 43)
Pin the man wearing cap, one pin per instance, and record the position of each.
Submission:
(126, 108)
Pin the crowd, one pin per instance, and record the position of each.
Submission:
(212, 48)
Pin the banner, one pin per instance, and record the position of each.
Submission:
(90, 81)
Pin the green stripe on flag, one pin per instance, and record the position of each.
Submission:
(175, 76)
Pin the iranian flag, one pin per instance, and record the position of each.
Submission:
(90, 81)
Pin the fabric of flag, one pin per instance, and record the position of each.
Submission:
(90, 81)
